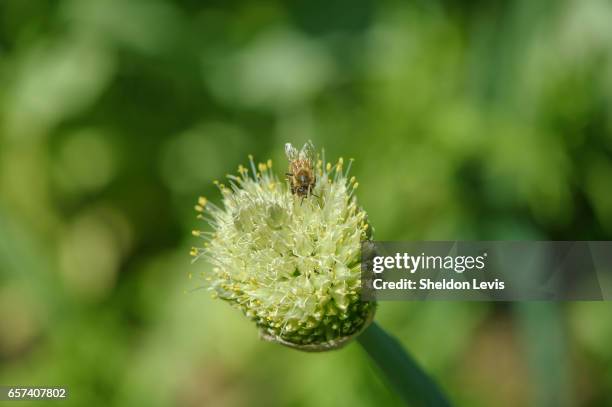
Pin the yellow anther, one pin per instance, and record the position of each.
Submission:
(202, 201)
(341, 161)
(196, 233)
(193, 252)
(269, 163)
(356, 185)
(262, 167)
(216, 182)
(353, 179)
(328, 167)
(319, 163)
(199, 208)
(250, 156)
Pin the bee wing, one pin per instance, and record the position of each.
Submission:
(291, 152)
(308, 152)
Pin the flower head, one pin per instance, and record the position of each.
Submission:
(291, 262)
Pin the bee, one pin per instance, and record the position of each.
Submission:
(301, 173)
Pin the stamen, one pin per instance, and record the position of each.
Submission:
(253, 165)
(348, 167)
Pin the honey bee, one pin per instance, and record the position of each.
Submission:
(301, 173)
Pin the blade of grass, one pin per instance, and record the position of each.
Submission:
(405, 376)
(544, 339)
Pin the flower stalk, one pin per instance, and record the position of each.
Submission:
(404, 375)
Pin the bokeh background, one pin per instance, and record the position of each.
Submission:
(467, 120)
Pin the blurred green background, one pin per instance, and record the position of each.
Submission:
(467, 120)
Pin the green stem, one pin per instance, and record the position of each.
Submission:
(406, 377)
